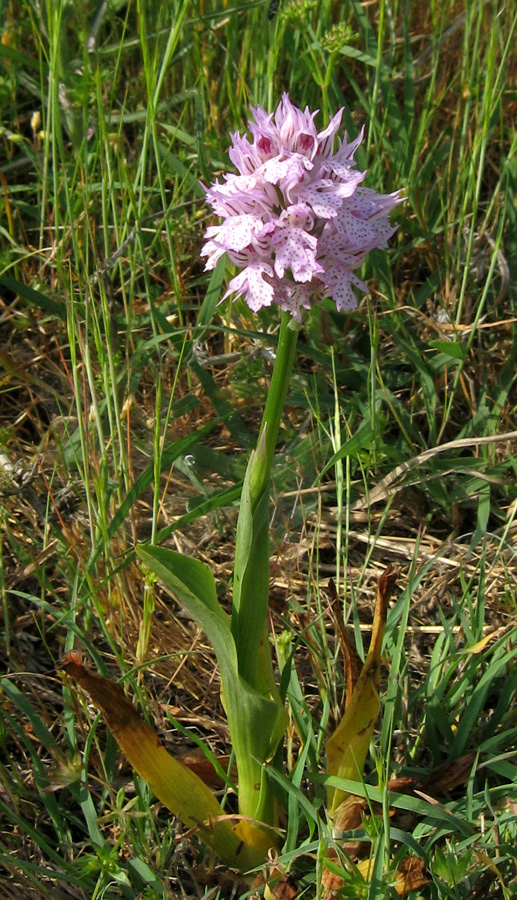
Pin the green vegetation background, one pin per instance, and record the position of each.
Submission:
(129, 399)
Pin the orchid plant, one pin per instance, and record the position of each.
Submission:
(297, 222)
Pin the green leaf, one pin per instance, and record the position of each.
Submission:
(21, 59)
(200, 507)
(35, 298)
(190, 579)
(365, 58)
(451, 348)
(362, 438)
(256, 722)
(212, 297)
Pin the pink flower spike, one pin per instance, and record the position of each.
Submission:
(296, 218)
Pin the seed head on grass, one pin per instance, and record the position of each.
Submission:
(297, 219)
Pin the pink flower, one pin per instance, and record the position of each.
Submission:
(296, 218)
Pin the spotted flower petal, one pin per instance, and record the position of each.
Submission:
(296, 219)
(258, 290)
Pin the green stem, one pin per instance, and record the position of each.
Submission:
(274, 408)
(251, 573)
(251, 589)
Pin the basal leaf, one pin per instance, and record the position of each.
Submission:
(256, 722)
(178, 788)
(348, 746)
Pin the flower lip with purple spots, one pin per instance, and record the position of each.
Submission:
(296, 218)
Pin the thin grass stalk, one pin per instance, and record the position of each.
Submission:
(336, 442)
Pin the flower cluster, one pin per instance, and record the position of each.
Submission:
(297, 220)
